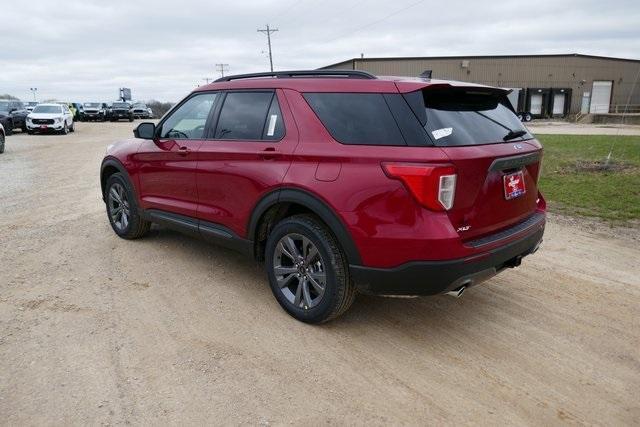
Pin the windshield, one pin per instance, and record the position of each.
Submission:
(470, 116)
(120, 105)
(47, 109)
(91, 105)
(4, 106)
(140, 106)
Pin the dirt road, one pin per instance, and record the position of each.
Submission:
(95, 329)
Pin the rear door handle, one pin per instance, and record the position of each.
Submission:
(183, 151)
(269, 153)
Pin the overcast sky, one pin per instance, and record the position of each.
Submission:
(81, 50)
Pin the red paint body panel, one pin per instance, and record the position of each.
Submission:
(223, 181)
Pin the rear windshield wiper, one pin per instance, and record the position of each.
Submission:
(513, 134)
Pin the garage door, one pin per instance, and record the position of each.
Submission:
(558, 104)
(536, 104)
(600, 97)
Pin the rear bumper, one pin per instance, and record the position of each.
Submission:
(435, 277)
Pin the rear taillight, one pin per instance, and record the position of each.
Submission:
(433, 186)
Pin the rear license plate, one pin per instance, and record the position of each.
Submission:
(514, 185)
(43, 126)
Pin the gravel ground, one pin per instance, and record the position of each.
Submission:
(567, 128)
(171, 330)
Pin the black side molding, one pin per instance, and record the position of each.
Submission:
(317, 206)
(514, 162)
(215, 233)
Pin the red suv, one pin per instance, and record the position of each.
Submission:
(340, 182)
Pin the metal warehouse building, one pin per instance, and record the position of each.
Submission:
(545, 85)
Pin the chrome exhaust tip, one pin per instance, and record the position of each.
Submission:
(457, 293)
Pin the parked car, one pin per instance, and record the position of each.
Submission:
(141, 111)
(12, 115)
(30, 105)
(94, 111)
(121, 110)
(78, 111)
(50, 118)
(340, 182)
(2, 138)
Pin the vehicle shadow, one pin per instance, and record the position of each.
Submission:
(425, 317)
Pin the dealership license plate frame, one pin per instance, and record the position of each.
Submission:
(513, 191)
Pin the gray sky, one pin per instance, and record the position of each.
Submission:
(81, 50)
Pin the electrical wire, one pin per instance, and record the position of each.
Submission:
(370, 24)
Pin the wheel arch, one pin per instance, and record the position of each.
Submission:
(110, 166)
(285, 202)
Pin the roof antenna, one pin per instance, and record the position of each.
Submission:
(426, 74)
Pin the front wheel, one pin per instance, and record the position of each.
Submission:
(1, 143)
(73, 127)
(65, 128)
(307, 270)
(122, 209)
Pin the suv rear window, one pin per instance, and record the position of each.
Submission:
(467, 116)
(356, 118)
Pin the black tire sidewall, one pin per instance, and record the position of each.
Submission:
(329, 301)
(133, 207)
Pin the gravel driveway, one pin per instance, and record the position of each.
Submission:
(171, 330)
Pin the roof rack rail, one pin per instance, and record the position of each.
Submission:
(302, 73)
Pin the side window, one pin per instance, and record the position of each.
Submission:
(188, 121)
(274, 125)
(356, 118)
(250, 116)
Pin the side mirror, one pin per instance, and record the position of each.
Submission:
(13, 110)
(145, 131)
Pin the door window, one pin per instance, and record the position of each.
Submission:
(250, 116)
(189, 120)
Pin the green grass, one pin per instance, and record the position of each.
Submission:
(574, 180)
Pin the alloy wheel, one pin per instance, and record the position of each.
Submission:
(300, 271)
(119, 209)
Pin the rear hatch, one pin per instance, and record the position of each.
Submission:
(497, 161)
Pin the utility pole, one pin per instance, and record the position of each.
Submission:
(221, 68)
(33, 91)
(268, 31)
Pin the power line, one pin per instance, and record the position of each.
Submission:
(268, 32)
(221, 68)
(377, 21)
(287, 10)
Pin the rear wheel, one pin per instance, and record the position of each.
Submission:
(1, 143)
(307, 270)
(122, 209)
(527, 117)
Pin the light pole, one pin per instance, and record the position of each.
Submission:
(33, 91)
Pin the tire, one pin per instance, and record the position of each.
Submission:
(1, 143)
(65, 129)
(527, 117)
(130, 224)
(73, 127)
(310, 303)
(130, 119)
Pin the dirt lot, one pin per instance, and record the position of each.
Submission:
(567, 128)
(95, 329)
